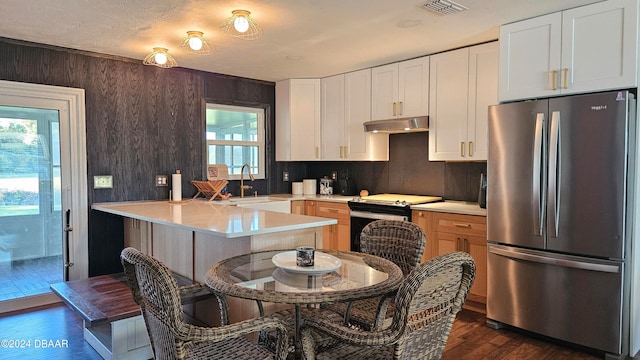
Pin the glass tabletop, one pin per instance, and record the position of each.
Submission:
(254, 276)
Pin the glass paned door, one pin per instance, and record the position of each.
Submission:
(31, 236)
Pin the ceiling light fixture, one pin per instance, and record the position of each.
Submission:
(242, 26)
(195, 43)
(160, 57)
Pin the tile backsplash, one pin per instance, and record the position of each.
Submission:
(408, 171)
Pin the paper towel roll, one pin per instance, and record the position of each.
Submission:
(297, 188)
(176, 186)
(309, 186)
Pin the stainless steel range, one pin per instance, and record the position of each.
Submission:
(381, 206)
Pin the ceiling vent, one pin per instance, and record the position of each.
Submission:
(444, 7)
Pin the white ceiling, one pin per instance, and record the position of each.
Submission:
(302, 38)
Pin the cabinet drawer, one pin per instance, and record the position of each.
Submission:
(461, 224)
(333, 211)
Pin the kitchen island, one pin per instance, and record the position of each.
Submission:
(192, 235)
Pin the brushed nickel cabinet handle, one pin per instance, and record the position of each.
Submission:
(564, 76)
(345, 152)
(470, 148)
(462, 225)
(317, 152)
(401, 108)
(462, 149)
(553, 80)
(394, 109)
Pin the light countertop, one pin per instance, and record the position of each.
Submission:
(213, 218)
(456, 207)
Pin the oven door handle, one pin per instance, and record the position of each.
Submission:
(376, 216)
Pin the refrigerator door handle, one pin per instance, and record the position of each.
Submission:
(515, 254)
(538, 198)
(554, 174)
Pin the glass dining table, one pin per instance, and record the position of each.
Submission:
(337, 276)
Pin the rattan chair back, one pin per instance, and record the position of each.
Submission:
(156, 291)
(402, 242)
(427, 303)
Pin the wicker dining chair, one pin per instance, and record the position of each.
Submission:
(156, 291)
(425, 307)
(401, 242)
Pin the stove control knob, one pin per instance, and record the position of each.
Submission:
(397, 202)
(404, 202)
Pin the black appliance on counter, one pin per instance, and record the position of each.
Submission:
(367, 209)
(346, 187)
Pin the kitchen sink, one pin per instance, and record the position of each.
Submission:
(262, 203)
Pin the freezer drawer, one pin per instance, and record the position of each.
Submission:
(570, 298)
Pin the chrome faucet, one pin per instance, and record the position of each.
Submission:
(244, 187)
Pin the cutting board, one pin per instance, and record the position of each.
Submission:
(410, 199)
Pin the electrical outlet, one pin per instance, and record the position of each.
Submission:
(334, 175)
(103, 182)
(285, 176)
(161, 180)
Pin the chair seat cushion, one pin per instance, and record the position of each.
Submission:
(233, 349)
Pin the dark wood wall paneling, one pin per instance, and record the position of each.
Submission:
(142, 121)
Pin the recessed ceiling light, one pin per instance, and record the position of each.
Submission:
(408, 23)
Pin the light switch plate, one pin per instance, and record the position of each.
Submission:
(103, 182)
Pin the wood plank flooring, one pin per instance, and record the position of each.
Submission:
(470, 339)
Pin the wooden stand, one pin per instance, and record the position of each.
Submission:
(211, 189)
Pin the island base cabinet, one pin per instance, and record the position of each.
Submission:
(191, 254)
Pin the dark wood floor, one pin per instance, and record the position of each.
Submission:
(470, 339)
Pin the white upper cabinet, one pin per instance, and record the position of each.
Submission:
(463, 84)
(589, 48)
(400, 89)
(346, 105)
(332, 111)
(298, 119)
(361, 145)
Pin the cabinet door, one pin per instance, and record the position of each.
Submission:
(529, 54)
(384, 91)
(361, 145)
(599, 45)
(477, 248)
(298, 120)
(413, 87)
(332, 117)
(424, 220)
(449, 85)
(483, 91)
(297, 207)
(310, 207)
(447, 242)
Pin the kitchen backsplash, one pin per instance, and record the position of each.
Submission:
(408, 171)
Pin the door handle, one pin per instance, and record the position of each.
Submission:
(394, 109)
(401, 107)
(538, 197)
(470, 148)
(462, 225)
(553, 192)
(462, 149)
(564, 76)
(553, 80)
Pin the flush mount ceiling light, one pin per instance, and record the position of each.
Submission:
(160, 57)
(195, 43)
(242, 26)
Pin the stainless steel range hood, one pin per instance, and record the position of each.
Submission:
(400, 125)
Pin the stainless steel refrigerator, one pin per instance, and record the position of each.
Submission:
(559, 200)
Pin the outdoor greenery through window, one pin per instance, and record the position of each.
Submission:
(29, 162)
(235, 136)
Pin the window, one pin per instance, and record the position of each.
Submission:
(235, 136)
